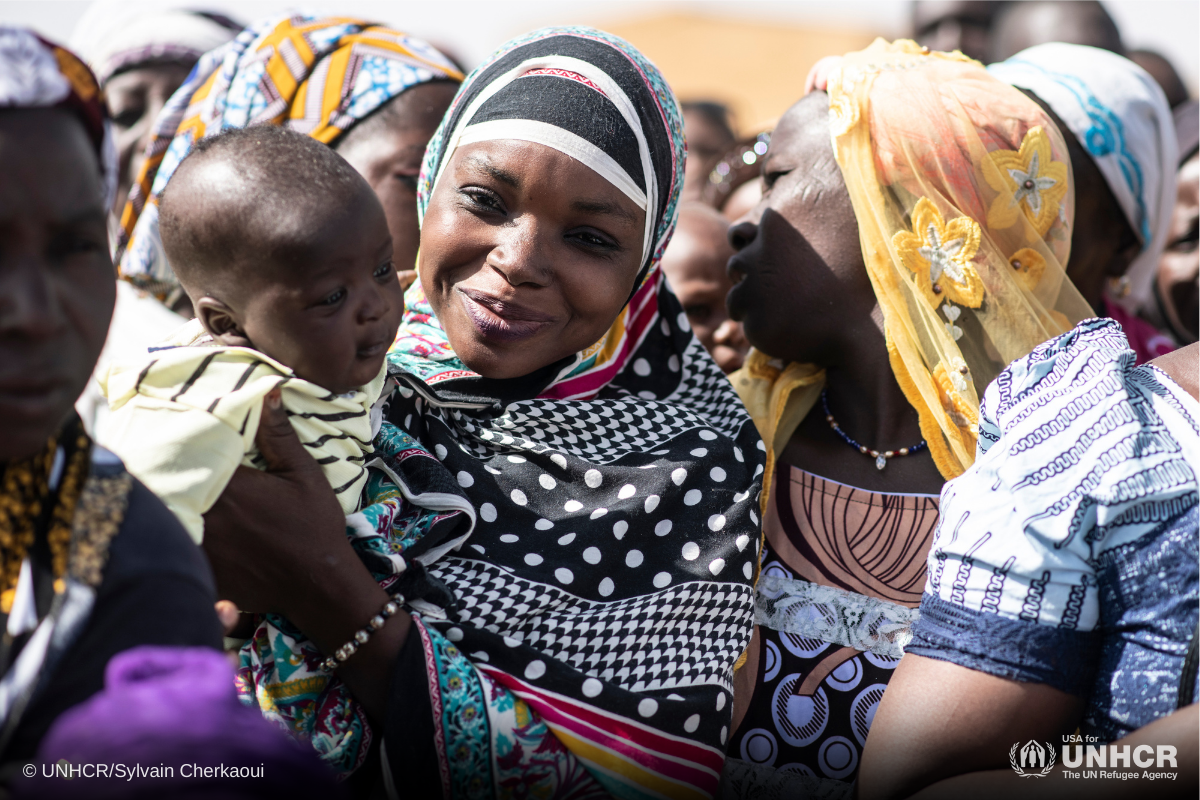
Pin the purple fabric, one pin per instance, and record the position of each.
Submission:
(173, 707)
(1145, 340)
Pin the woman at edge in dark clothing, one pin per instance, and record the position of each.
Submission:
(91, 563)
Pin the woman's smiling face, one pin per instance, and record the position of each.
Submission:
(527, 255)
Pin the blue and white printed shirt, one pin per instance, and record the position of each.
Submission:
(1068, 553)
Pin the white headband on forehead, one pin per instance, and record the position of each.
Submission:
(565, 141)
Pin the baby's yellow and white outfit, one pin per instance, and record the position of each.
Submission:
(185, 416)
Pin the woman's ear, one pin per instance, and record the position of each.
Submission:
(221, 322)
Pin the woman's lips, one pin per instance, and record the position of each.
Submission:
(29, 397)
(733, 302)
(500, 320)
(737, 274)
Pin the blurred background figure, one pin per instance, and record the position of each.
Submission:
(994, 31)
(695, 267)
(735, 184)
(1162, 71)
(963, 25)
(141, 58)
(1175, 305)
(709, 132)
(1024, 24)
(1016, 26)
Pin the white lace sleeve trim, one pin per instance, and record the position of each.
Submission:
(833, 615)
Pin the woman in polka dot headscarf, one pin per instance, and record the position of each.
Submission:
(604, 595)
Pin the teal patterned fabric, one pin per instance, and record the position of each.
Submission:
(494, 744)
(280, 669)
(464, 719)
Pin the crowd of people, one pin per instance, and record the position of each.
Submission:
(374, 427)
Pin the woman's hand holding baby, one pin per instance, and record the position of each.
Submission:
(276, 541)
(268, 526)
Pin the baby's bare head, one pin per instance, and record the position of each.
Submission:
(283, 247)
(248, 203)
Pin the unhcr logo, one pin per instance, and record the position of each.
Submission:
(1032, 759)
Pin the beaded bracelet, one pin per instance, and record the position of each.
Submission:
(363, 634)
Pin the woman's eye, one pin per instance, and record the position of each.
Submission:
(384, 270)
(409, 181)
(70, 244)
(128, 117)
(593, 241)
(483, 199)
(698, 312)
(1186, 243)
(769, 179)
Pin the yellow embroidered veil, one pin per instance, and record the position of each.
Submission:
(962, 190)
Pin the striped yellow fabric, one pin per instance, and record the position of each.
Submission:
(185, 417)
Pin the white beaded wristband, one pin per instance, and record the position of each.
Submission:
(363, 634)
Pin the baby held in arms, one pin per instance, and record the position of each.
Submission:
(285, 253)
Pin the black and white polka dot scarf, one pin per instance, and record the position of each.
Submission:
(610, 566)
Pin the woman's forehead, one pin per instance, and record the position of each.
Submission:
(808, 118)
(47, 159)
(802, 138)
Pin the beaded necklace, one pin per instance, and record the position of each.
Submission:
(881, 458)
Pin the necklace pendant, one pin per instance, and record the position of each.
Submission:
(881, 458)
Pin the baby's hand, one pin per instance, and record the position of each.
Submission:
(229, 616)
(227, 612)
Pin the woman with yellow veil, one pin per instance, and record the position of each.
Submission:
(910, 244)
